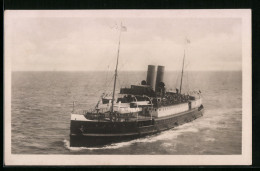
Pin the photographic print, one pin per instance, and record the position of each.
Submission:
(117, 87)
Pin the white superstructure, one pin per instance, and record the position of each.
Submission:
(174, 109)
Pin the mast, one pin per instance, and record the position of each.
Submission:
(113, 97)
(182, 70)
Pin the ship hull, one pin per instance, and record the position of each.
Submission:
(89, 134)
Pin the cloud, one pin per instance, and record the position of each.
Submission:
(91, 43)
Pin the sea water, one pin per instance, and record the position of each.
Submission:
(41, 103)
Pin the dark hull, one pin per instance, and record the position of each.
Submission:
(103, 133)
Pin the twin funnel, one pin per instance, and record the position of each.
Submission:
(154, 79)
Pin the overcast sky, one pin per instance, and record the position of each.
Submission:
(37, 41)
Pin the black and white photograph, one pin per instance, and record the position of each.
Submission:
(127, 87)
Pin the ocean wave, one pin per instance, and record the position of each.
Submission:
(111, 146)
(40, 115)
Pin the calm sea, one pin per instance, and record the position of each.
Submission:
(42, 102)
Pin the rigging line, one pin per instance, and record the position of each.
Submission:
(109, 83)
(106, 86)
(126, 61)
(106, 76)
(188, 73)
(184, 86)
(178, 76)
(127, 72)
(178, 72)
(122, 81)
(106, 82)
(119, 69)
(110, 63)
(193, 78)
(120, 85)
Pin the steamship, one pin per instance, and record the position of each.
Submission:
(137, 111)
